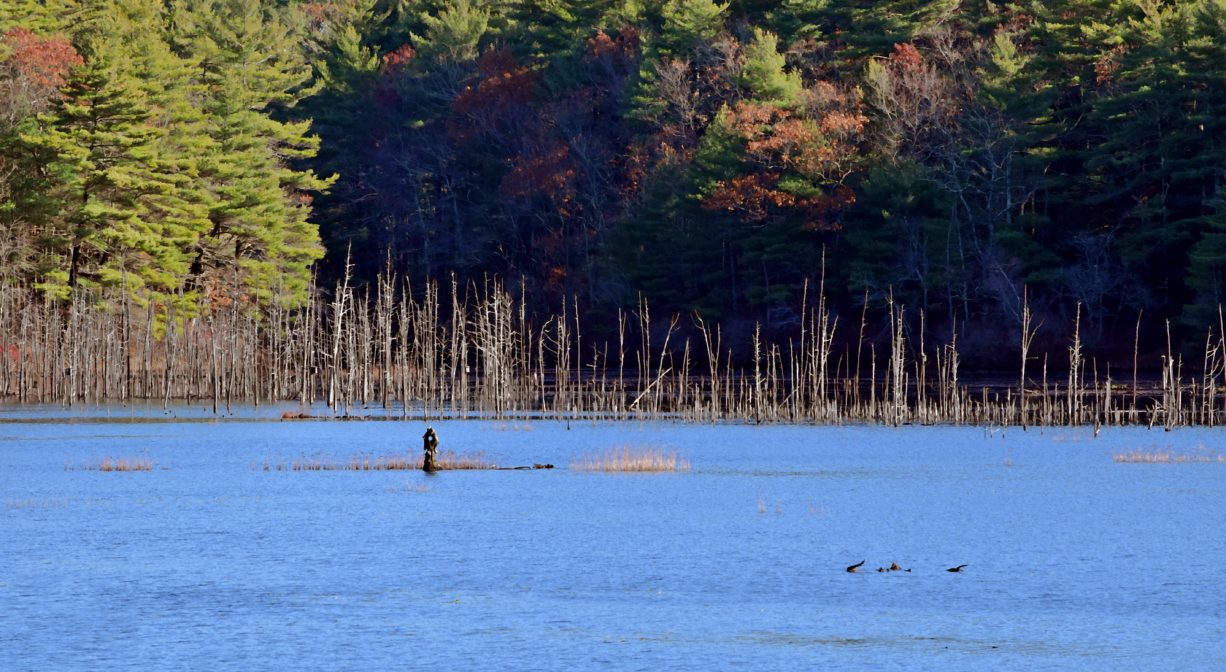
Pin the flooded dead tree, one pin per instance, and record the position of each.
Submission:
(418, 353)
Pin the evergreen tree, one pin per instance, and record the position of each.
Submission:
(103, 163)
(548, 29)
(253, 69)
(455, 34)
(689, 24)
(45, 17)
(763, 74)
(34, 63)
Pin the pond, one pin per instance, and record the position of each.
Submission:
(209, 561)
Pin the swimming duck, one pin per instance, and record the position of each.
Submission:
(956, 570)
(855, 568)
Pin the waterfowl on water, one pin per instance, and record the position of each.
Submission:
(856, 567)
(894, 567)
(955, 570)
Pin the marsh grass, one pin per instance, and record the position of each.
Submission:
(446, 460)
(632, 459)
(117, 464)
(1165, 457)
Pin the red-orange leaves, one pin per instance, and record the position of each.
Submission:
(42, 61)
(500, 89)
(794, 160)
(749, 195)
(822, 212)
(319, 15)
(550, 174)
(396, 60)
(1108, 64)
(843, 124)
(618, 53)
(907, 57)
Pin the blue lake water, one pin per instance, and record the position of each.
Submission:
(208, 562)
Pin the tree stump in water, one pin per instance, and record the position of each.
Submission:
(429, 445)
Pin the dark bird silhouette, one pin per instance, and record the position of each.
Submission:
(955, 569)
(894, 567)
(856, 567)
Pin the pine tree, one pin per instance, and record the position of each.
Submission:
(35, 59)
(548, 29)
(857, 29)
(45, 17)
(106, 180)
(689, 24)
(253, 68)
(455, 34)
(763, 74)
(1201, 159)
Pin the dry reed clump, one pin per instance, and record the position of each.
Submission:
(632, 459)
(451, 460)
(120, 464)
(446, 460)
(1165, 457)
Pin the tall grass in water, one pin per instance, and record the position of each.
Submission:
(631, 459)
(120, 464)
(1165, 457)
(447, 460)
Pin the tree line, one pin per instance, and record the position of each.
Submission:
(975, 161)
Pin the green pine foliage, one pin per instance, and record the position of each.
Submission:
(253, 73)
(763, 75)
(154, 169)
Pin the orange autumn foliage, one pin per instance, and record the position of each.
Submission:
(817, 144)
(499, 93)
(548, 174)
(42, 61)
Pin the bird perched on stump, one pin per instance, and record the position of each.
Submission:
(855, 568)
(430, 447)
(956, 570)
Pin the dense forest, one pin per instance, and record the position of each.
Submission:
(970, 160)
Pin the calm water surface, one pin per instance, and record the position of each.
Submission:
(211, 563)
